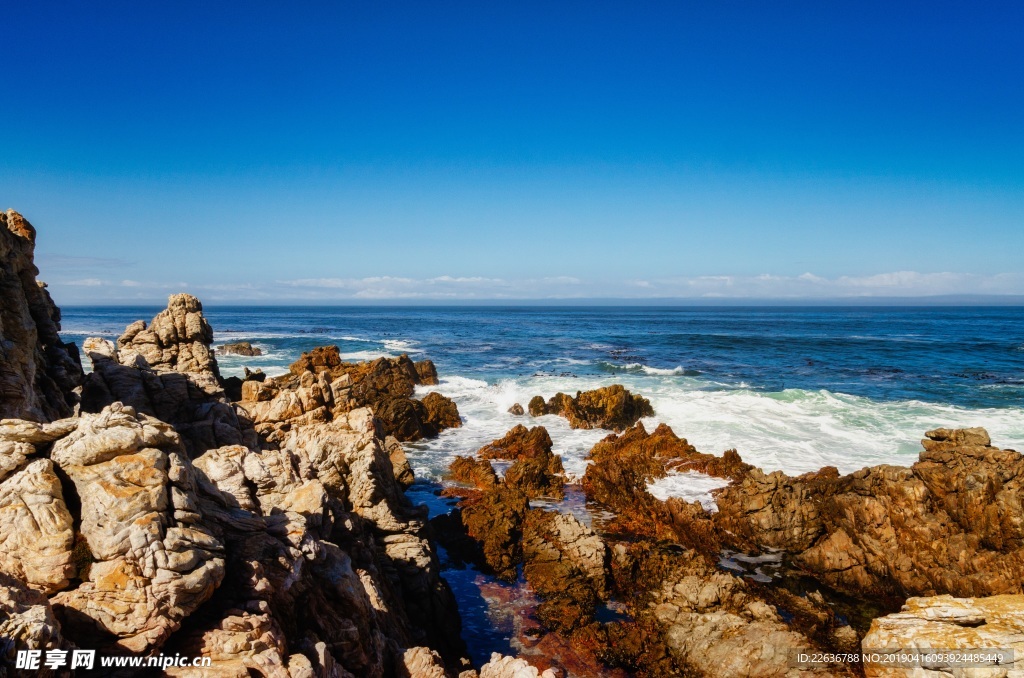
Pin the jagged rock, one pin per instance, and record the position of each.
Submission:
(536, 470)
(155, 560)
(26, 623)
(476, 472)
(511, 667)
(36, 534)
(442, 413)
(421, 662)
(622, 466)
(518, 443)
(399, 462)
(715, 627)
(168, 372)
(951, 523)
(517, 410)
(538, 476)
(38, 372)
(495, 519)
(948, 623)
(243, 643)
(611, 407)
(320, 385)
(565, 563)
(178, 339)
(242, 348)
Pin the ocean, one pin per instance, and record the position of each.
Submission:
(789, 388)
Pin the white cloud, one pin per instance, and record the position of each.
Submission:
(766, 286)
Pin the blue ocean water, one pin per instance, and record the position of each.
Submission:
(792, 388)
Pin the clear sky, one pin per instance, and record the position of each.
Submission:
(326, 152)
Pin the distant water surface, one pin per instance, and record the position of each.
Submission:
(790, 388)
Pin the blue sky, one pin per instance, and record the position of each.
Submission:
(319, 153)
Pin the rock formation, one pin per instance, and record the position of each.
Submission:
(167, 370)
(320, 385)
(242, 348)
(951, 523)
(948, 623)
(38, 372)
(611, 407)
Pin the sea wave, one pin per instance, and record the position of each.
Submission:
(792, 430)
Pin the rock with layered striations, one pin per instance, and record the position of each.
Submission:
(715, 626)
(612, 407)
(36, 533)
(155, 561)
(950, 624)
(178, 339)
(167, 370)
(38, 372)
(321, 385)
(27, 622)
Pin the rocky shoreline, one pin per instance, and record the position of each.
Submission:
(151, 505)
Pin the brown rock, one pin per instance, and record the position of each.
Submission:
(476, 472)
(518, 443)
(611, 407)
(517, 410)
(37, 370)
(320, 385)
(495, 520)
(442, 413)
(951, 523)
(565, 563)
(399, 462)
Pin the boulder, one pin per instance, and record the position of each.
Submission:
(612, 407)
(36, 532)
(242, 348)
(517, 410)
(38, 372)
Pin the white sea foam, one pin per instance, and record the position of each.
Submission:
(688, 485)
(401, 346)
(792, 430)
